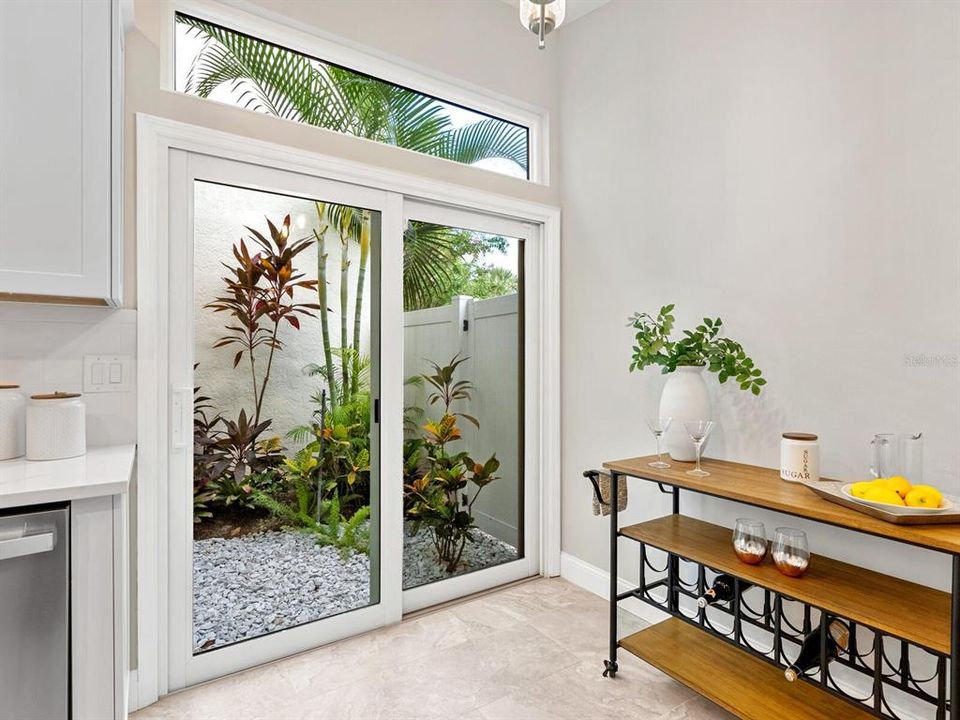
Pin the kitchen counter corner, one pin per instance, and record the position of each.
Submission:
(102, 471)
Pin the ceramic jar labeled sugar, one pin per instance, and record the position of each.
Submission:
(799, 457)
(12, 422)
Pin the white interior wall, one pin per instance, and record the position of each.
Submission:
(795, 169)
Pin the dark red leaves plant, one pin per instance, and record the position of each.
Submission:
(259, 295)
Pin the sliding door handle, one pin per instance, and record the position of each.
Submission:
(27, 545)
(181, 408)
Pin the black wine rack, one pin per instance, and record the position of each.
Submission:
(770, 625)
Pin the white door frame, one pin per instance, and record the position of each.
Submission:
(156, 137)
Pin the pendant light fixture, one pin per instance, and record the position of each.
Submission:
(542, 16)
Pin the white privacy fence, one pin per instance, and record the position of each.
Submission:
(486, 332)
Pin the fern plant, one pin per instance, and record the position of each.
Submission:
(347, 535)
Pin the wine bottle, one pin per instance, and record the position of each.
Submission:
(838, 640)
(722, 590)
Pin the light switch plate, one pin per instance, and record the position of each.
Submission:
(107, 373)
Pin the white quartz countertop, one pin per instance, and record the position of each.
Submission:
(102, 471)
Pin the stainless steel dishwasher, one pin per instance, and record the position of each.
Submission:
(34, 603)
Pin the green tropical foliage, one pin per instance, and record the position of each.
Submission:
(701, 346)
(349, 535)
(437, 481)
(440, 262)
(276, 81)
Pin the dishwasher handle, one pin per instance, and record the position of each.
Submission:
(27, 545)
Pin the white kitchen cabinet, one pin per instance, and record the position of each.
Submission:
(60, 100)
(95, 486)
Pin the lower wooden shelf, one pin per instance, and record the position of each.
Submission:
(745, 685)
(907, 610)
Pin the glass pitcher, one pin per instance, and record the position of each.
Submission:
(897, 454)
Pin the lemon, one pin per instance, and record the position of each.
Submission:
(898, 484)
(924, 496)
(883, 495)
(859, 489)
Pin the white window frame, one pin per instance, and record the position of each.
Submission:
(281, 30)
(156, 137)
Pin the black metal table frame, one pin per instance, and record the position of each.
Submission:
(946, 700)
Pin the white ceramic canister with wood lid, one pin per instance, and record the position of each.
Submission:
(799, 457)
(12, 422)
(56, 426)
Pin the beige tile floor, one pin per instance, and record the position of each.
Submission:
(528, 652)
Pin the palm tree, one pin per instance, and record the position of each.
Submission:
(273, 80)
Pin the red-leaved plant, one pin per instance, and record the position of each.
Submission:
(259, 296)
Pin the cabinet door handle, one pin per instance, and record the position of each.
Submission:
(27, 545)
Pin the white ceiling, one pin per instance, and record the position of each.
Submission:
(575, 8)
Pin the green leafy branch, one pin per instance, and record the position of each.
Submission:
(701, 347)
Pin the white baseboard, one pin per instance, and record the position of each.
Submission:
(597, 581)
(132, 704)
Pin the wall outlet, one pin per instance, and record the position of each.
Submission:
(107, 373)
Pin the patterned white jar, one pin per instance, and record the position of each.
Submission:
(799, 457)
(56, 426)
(12, 421)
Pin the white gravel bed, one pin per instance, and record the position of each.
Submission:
(420, 564)
(248, 586)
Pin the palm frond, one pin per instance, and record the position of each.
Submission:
(428, 256)
(277, 81)
(267, 78)
(485, 139)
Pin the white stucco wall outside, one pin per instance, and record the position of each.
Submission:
(221, 214)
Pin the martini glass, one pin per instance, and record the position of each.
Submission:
(658, 426)
(698, 430)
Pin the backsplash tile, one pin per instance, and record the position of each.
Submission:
(42, 349)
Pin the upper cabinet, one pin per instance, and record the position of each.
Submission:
(60, 150)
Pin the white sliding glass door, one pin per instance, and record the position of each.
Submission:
(353, 425)
(278, 529)
(470, 477)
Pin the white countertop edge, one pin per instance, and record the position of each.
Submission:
(102, 471)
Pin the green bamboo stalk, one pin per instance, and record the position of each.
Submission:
(344, 299)
(358, 307)
(322, 300)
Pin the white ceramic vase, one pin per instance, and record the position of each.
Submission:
(684, 397)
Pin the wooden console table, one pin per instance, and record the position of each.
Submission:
(727, 666)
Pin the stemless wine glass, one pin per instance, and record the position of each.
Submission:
(698, 430)
(658, 426)
(750, 541)
(790, 551)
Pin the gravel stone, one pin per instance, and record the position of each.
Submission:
(247, 586)
(421, 566)
(255, 584)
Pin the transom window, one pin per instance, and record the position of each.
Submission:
(215, 62)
